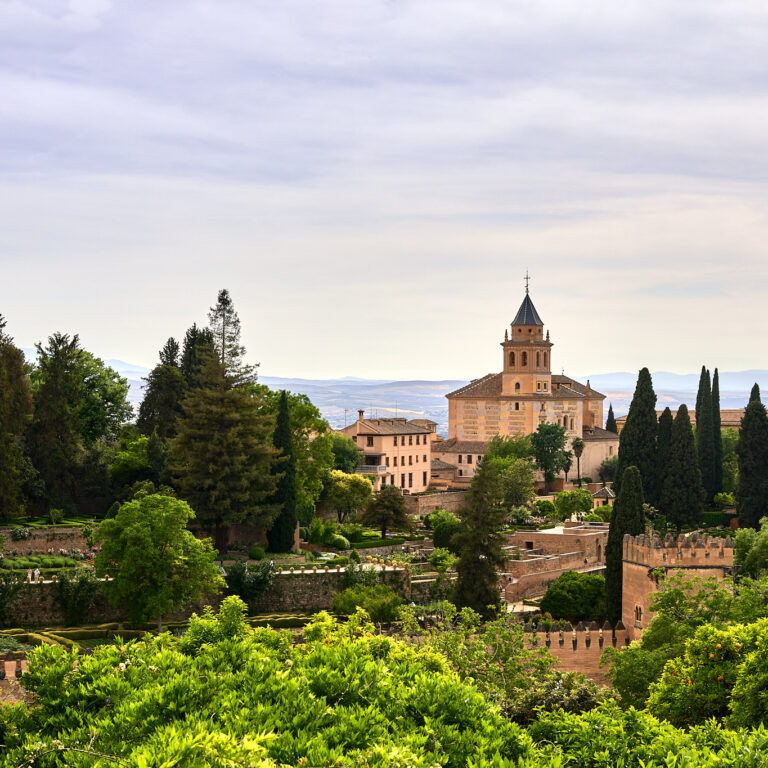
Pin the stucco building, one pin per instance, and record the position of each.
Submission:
(395, 451)
(523, 395)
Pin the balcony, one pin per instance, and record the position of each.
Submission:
(372, 469)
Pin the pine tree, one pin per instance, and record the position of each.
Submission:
(717, 433)
(161, 407)
(610, 422)
(222, 455)
(198, 346)
(281, 535)
(55, 433)
(637, 442)
(15, 410)
(169, 354)
(627, 518)
(705, 444)
(682, 491)
(387, 511)
(225, 327)
(752, 453)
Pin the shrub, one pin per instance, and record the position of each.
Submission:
(569, 503)
(303, 533)
(55, 516)
(10, 644)
(712, 518)
(210, 628)
(337, 561)
(586, 479)
(75, 593)
(442, 560)
(249, 581)
(256, 552)
(338, 541)
(576, 597)
(371, 543)
(723, 500)
(546, 508)
(380, 602)
(519, 516)
(352, 531)
(445, 525)
(20, 532)
(354, 557)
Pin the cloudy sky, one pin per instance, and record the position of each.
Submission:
(372, 178)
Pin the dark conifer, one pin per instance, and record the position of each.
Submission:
(281, 535)
(161, 407)
(637, 442)
(198, 345)
(627, 518)
(682, 491)
(717, 435)
(663, 443)
(752, 453)
(754, 395)
(169, 354)
(610, 422)
(225, 328)
(705, 444)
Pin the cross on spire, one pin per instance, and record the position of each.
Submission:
(527, 279)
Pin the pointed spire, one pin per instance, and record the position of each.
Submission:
(527, 314)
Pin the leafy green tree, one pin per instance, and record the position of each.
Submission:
(577, 446)
(104, 406)
(705, 440)
(511, 447)
(225, 327)
(717, 435)
(610, 422)
(347, 494)
(751, 550)
(346, 454)
(752, 453)
(637, 442)
(15, 412)
(548, 443)
(387, 511)
(160, 409)
(730, 441)
(570, 503)
(444, 525)
(75, 593)
(575, 596)
(249, 580)
(153, 564)
(479, 541)
(281, 534)
(198, 347)
(221, 458)
(131, 463)
(607, 469)
(682, 492)
(627, 518)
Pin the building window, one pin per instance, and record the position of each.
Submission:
(517, 406)
(565, 422)
(369, 441)
(461, 473)
(402, 440)
(571, 425)
(424, 478)
(425, 457)
(525, 359)
(402, 481)
(410, 439)
(517, 386)
(395, 460)
(511, 358)
(354, 438)
(610, 450)
(538, 359)
(417, 458)
(460, 458)
(410, 479)
(387, 460)
(545, 386)
(545, 359)
(469, 458)
(410, 459)
(479, 459)
(395, 441)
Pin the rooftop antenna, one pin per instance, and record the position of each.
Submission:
(345, 416)
(527, 280)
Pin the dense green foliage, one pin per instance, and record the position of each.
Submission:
(752, 452)
(445, 525)
(347, 494)
(387, 511)
(548, 443)
(576, 597)
(379, 601)
(569, 503)
(248, 581)
(717, 435)
(161, 407)
(346, 454)
(682, 492)
(75, 593)
(627, 518)
(610, 421)
(637, 442)
(283, 530)
(705, 438)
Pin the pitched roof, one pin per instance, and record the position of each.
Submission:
(389, 427)
(598, 433)
(440, 464)
(487, 386)
(527, 314)
(563, 388)
(575, 386)
(454, 445)
(604, 493)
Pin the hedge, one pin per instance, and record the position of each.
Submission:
(370, 543)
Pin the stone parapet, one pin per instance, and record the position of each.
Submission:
(678, 552)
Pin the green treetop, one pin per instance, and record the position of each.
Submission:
(705, 440)
(161, 407)
(169, 354)
(281, 535)
(224, 324)
(154, 564)
(637, 443)
(347, 493)
(346, 454)
(548, 443)
(610, 422)
(717, 435)
(387, 511)
(627, 518)
(682, 492)
(752, 453)
(198, 346)
(663, 443)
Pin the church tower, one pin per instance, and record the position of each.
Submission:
(527, 369)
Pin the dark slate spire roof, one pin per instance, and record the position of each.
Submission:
(527, 314)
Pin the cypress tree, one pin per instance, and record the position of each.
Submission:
(752, 454)
(717, 434)
(663, 443)
(637, 443)
(610, 422)
(682, 491)
(282, 532)
(754, 395)
(222, 455)
(705, 443)
(627, 518)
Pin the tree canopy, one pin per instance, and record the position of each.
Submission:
(548, 443)
(387, 511)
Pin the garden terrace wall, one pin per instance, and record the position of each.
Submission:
(40, 540)
(423, 504)
(579, 649)
(531, 578)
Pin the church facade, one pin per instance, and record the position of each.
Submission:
(525, 394)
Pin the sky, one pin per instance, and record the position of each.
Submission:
(371, 179)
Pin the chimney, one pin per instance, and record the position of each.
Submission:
(360, 414)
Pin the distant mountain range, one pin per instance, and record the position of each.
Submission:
(339, 399)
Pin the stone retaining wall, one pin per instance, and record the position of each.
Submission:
(428, 502)
(40, 540)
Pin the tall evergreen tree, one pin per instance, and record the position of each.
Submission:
(55, 440)
(161, 407)
(717, 434)
(225, 327)
(637, 442)
(663, 443)
(752, 453)
(222, 455)
(610, 422)
(281, 534)
(198, 345)
(169, 354)
(682, 491)
(627, 518)
(705, 442)
(754, 395)
(15, 410)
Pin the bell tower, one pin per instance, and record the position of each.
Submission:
(527, 369)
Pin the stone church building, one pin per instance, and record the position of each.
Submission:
(519, 398)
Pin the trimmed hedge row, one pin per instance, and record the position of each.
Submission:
(370, 543)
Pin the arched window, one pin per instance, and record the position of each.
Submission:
(571, 424)
(545, 359)
(565, 422)
(511, 358)
(517, 386)
(538, 359)
(525, 359)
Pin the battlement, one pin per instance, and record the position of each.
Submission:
(691, 551)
